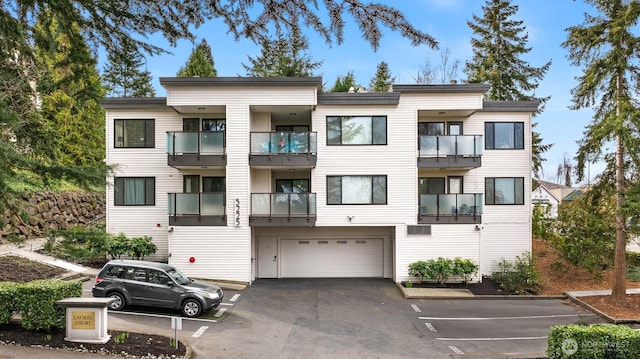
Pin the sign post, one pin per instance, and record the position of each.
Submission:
(176, 324)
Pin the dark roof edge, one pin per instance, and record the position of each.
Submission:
(242, 81)
(518, 106)
(421, 88)
(359, 98)
(133, 102)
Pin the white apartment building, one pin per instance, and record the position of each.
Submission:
(243, 178)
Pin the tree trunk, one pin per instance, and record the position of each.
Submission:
(619, 291)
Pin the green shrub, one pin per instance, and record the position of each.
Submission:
(139, 247)
(592, 342)
(633, 274)
(7, 301)
(419, 270)
(464, 268)
(633, 259)
(541, 223)
(518, 276)
(36, 302)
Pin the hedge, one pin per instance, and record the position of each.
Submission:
(36, 302)
(594, 341)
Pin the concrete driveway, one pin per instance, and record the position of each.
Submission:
(361, 318)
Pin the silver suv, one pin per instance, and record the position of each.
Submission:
(132, 282)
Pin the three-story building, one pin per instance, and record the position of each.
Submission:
(243, 178)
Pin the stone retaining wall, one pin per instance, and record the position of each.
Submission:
(49, 210)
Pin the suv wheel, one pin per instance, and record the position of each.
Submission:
(191, 308)
(118, 303)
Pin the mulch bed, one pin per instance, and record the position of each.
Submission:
(136, 345)
(487, 287)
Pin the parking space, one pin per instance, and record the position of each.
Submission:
(497, 328)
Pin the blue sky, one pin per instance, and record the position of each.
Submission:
(446, 20)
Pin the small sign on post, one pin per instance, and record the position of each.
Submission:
(86, 319)
(176, 324)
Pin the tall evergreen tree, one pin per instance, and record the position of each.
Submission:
(70, 91)
(200, 62)
(283, 57)
(124, 75)
(346, 83)
(383, 80)
(608, 49)
(497, 49)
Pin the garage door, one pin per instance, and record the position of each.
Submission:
(318, 258)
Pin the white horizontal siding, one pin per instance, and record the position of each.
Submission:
(228, 95)
(446, 240)
(396, 160)
(220, 253)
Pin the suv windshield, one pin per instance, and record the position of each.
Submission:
(178, 277)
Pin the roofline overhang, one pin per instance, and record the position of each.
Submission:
(133, 102)
(241, 81)
(359, 98)
(510, 106)
(444, 88)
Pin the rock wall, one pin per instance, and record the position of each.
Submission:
(49, 210)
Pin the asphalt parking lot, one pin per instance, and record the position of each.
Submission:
(361, 318)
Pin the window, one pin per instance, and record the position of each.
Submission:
(504, 135)
(292, 185)
(430, 128)
(431, 185)
(213, 124)
(135, 133)
(213, 184)
(504, 190)
(135, 191)
(356, 130)
(356, 189)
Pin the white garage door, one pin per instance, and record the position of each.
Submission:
(319, 258)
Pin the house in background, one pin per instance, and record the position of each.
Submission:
(243, 178)
(550, 195)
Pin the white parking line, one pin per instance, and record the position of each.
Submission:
(234, 298)
(415, 308)
(491, 339)
(227, 304)
(455, 349)
(430, 327)
(200, 331)
(220, 313)
(508, 318)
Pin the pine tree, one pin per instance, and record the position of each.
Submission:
(70, 92)
(496, 60)
(345, 83)
(200, 62)
(283, 57)
(608, 49)
(123, 75)
(383, 80)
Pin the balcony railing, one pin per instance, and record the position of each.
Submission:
(197, 209)
(283, 149)
(456, 151)
(450, 208)
(283, 209)
(196, 148)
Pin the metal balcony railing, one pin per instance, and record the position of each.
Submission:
(450, 208)
(454, 145)
(273, 143)
(203, 143)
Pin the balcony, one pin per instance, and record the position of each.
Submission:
(465, 208)
(283, 149)
(283, 209)
(196, 149)
(459, 151)
(197, 209)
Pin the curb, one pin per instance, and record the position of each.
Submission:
(484, 297)
(610, 319)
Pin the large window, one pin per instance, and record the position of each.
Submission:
(356, 189)
(505, 190)
(504, 135)
(135, 191)
(356, 130)
(135, 133)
